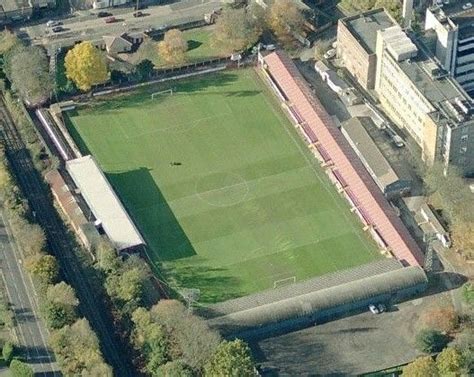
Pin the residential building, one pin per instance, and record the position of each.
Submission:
(19, 10)
(356, 38)
(453, 24)
(414, 90)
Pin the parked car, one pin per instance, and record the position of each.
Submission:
(52, 23)
(330, 53)
(373, 309)
(103, 14)
(138, 14)
(467, 6)
(381, 308)
(110, 20)
(398, 141)
(57, 29)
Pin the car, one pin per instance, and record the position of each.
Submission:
(57, 29)
(467, 6)
(398, 141)
(110, 20)
(103, 14)
(138, 14)
(162, 27)
(330, 53)
(381, 308)
(52, 23)
(270, 47)
(373, 309)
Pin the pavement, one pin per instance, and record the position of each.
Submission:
(85, 25)
(30, 330)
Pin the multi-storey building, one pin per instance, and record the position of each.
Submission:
(453, 24)
(422, 99)
(356, 38)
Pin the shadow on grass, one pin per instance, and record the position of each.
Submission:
(142, 96)
(192, 44)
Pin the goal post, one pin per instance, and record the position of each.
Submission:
(162, 92)
(283, 282)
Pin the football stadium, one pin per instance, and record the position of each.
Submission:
(241, 191)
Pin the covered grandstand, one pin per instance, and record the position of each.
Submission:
(342, 164)
(104, 203)
(338, 293)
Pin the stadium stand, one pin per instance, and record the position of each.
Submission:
(355, 182)
(318, 299)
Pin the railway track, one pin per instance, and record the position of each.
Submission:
(61, 245)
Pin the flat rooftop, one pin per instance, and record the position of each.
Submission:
(453, 14)
(364, 26)
(13, 5)
(103, 202)
(366, 148)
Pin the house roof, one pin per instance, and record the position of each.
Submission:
(103, 202)
(116, 44)
(330, 142)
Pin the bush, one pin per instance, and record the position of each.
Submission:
(430, 340)
(7, 352)
(20, 369)
(468, 293)
(444, 319)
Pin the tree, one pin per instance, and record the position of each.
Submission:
(58, 315)
(173, 47)
(62, 293)
(20, 369)
(429, 340)
(144, 69)
(443, 319)
(468, 293)
(173, 369)
(126, 286)
(7, 352)
(107, 257)
(30, 237)
(462, 234)
(464, 343)
(236, 30)
(449, 362)
(85, 66)
(45, 267)
(421, 367)
(232, 358)
(77, 350)
(30, 74)
(285, 19)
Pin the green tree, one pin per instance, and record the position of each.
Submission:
(449, 362)
(107, 257)
(173, 369)
(285, 19)
(468, 293)
(20, 369)
(232, 358)
(30, 74)
(58, 315)
(7, 352)
(429, 340)
(236, 30)
(126, 286)
(173, 47)
(85, 66)
(62, 293)
(144, 69)
(45, 267)
(421, 367)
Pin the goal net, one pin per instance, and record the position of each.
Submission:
(163, 92)
(283, 282)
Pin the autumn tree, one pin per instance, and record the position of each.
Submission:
(236, 30)
(20, 369)
(85, 66)
(45, 267)
(421, 367)
(285, 19)
(449, 362)
(441, 318)
(62, 293)
(357, 6)
(173, 369)
(29, 74)
(173, 47)
(232, 358)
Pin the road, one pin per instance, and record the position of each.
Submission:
(30, 330)
(84, 26)
(62, 246)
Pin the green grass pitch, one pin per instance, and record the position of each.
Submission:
(249, 205)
